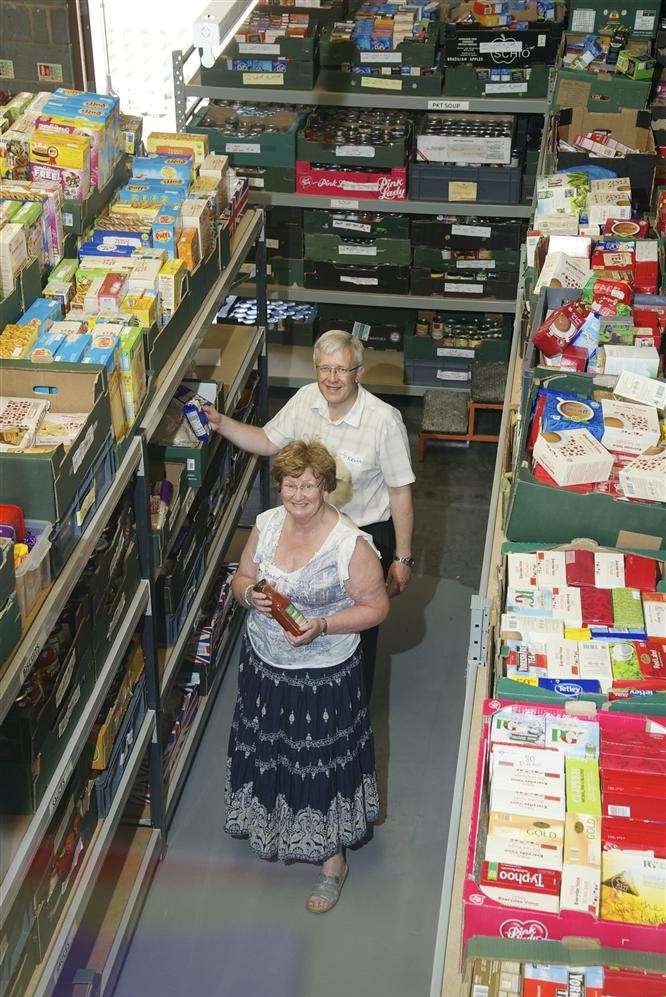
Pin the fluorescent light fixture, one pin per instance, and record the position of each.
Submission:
(217, 24)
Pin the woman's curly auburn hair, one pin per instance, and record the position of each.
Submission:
(294, 459)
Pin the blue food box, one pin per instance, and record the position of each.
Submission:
(163, 168)
(73, 348)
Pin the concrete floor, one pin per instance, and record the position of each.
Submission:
(218, 921)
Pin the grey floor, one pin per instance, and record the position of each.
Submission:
(219, 921)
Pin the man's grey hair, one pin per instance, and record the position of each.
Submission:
(336, 339)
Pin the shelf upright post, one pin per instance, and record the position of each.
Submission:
(149, 644)
(262, 360)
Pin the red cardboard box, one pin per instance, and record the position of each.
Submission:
(385, 185)
(633, 983)
(640, 572)
(580, 567)
(625, 834)
(597, 607)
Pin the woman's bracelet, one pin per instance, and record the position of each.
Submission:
(247, 602)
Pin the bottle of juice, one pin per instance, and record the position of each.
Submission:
(282, 609)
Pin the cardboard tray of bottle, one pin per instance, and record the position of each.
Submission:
(634, 127)
(409, 53)
(277, 179)
(389, 226)
(364, 156)
(473, 45)
(473, 81)
(297, 76)
(491, 350)
(480, 184)
(333, 248)
(367, 184)
(493, 285)
(468, 233)
(319, 13)
(556, 515)
(271, 148)
(595, 17)
(426, 84)
(361, 279)
(493, 259)
(387, 329)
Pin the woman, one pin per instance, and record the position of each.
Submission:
(300, 773)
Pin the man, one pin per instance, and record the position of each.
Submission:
(369, 441)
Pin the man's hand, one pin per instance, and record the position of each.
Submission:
(313, 629)
(214, 417)
(398, 578)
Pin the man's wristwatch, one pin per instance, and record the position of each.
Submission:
(409, 561)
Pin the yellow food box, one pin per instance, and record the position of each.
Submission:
(16, 341)
(66, 151)
(174, 143)
(144, 306)
(633, 887)
(170, 284)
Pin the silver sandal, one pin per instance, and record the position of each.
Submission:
(327, 888)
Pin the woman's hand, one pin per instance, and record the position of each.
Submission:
(313, 629)
(260, 601)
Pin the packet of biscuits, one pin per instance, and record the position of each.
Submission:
(560, 328)
(607, 296)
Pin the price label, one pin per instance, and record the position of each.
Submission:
(448, 105)
(259, 48)
(342, 202)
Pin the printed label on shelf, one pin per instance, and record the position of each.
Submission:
(377, 83)
(381, 56)
(249, 148)
(350, 226)
(452, 287)
(480, 231)
(446, 351)
(345, 250)
(491, 88)
(462, 190)
(258, 48)
(475, 264)
(369, 281)
(341, 202)
(365, 151)
(644, 20)
(448, 105)
(264, 79)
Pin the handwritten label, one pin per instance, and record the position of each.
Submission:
(83, 447)
(351, 226)
(264, 79)
(65, 679)
(453, 375)
(256, 182)
(474, 231)
(377, 83)
(346, 250)
(364, 151)
(249, 148)
(85, 506)
(381, 57)
(64, 723)
(341, 202)
(369, 281)
(445, 351)
(475, 264)
(504, 46)
(462, 190)
(60, 788)
(272, 243)
(491, 88)
(448, 105)
(453, 288)
(258, 48)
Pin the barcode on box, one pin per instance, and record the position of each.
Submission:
(617, 811)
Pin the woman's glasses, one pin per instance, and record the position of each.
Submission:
(309, 488)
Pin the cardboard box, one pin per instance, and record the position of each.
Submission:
(645, 477)
(524, 887)
(581, 869)
(574, 457)
(629, 427)
(583, 792)
(597, 17)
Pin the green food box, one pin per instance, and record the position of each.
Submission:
(468, 81)
(280, 179)
(271, 148)
(285, 271)
(27, 289)
(338, 249)
(624, 662)
(7, 575)
(628, 608)
(297, 76)
(346, 81)
(10, 626)
(598, 17)
(45, 484)
(367, 224)
(388, 154)
(498, 259)
(582, 786)
(298, 48)
(599, 92)
(408, 53)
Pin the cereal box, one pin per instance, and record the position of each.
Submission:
(64, 159)
(562, 981)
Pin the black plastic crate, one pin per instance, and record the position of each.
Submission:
(480, 184)
(334, 277)
(467, 233)
(498, 285)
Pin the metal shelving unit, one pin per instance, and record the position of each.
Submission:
(463, 304)
(20, 837)
(266, 199)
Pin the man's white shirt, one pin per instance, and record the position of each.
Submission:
(369, 444)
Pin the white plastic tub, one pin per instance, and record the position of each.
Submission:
(34, 573)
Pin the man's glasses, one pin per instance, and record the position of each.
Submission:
(309, 488)
(326, 371)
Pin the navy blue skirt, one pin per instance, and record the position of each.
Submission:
(301, 769)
